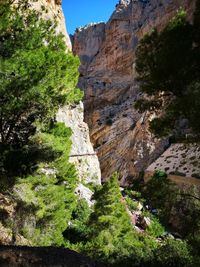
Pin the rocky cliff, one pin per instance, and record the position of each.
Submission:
(53, 9)
(107, 53)
(82, 153)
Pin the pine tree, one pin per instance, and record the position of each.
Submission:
(167, 64)
(37, 75)
(112, 237)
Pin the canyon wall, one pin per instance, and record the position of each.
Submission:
(53, 10)
(82, 152)
(107, 75)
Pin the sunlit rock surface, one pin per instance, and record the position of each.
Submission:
(107, 53)
(82, 153)
(53, 10)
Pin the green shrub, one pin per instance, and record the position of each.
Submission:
(174, 253)
(155, 228)
(109, 122)
(49, 191)
(132, 205)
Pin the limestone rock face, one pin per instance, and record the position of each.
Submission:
(107, 76)
(54, 11)
(82, 154)
(88, 42)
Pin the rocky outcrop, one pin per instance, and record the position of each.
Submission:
(53, 10)
(107, 53)
(180, 159)
(88, 41)
(7, 223)
(82, 153)
(43, 257)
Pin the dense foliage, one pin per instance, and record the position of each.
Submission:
(37, 74)
(177, 208)
(112, 238)
(167, 64)
(46, 199)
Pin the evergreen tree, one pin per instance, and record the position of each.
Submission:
(173, 253)
(37, 73)
(37, 76)
(161, 193)
(109, 211)
(45, 201)
(167, 64)
(112, 237)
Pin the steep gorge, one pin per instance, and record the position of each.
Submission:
(123, 143)
(107, 52)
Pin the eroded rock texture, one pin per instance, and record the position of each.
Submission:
(82, 153)
(107, 52)
(53, 10)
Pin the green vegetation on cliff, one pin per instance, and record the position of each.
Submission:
(46, 199)
(37, 76)
(167, 64)
(111, 237)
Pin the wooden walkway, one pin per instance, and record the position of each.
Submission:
(82, 155)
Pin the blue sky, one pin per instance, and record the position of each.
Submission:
(81, 12)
